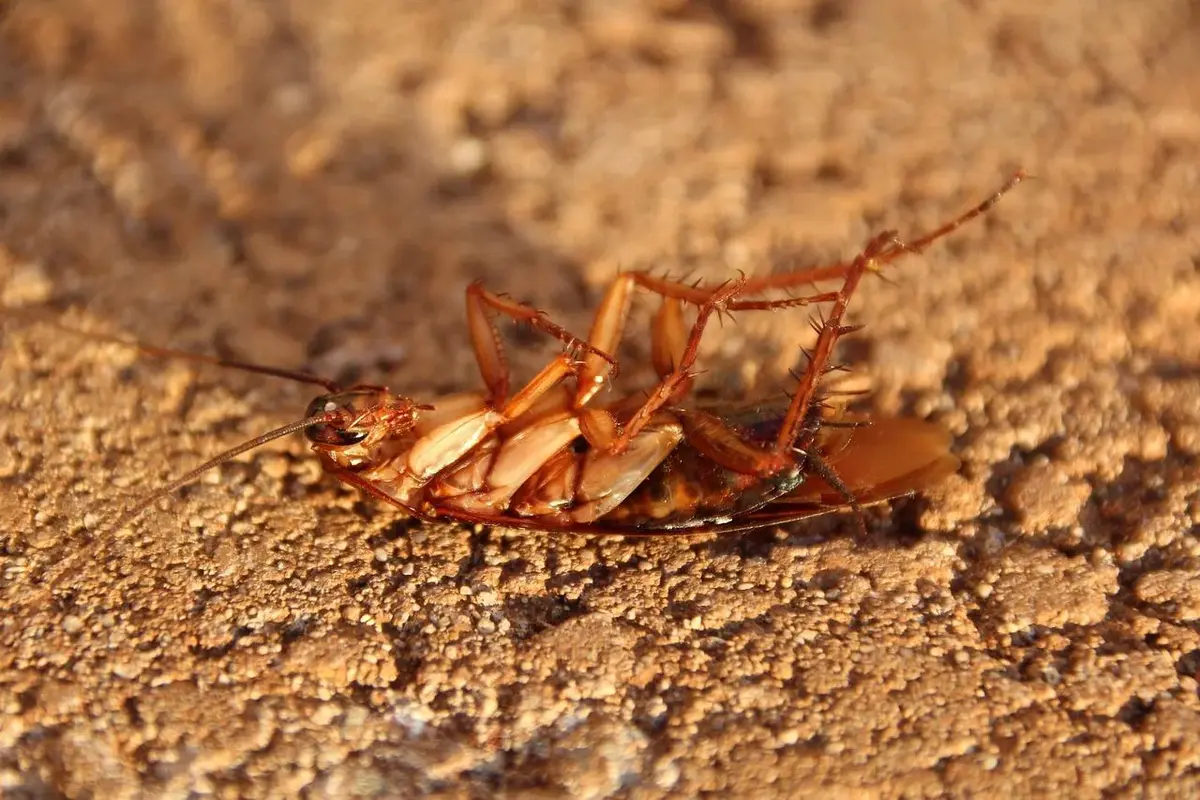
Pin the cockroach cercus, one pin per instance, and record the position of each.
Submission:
(555, 455)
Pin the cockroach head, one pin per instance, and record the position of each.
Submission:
(357, 415)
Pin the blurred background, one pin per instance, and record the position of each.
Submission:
(297, 181)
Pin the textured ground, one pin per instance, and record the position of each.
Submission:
(302, 182)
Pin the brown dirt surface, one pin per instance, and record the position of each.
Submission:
(303, 182)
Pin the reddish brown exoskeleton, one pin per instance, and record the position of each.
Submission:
(554, 456)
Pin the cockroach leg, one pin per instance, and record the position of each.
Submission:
(675, 384)
(829, 333)
(441, 448)
(677, 381)
(550, 376)
(826, 473)
(881, 250)
(605, 334)
(811, 275)
(365, 485)
(713, 438)
(611, 318)
(482, 304)
(668, 336)
(919, 244)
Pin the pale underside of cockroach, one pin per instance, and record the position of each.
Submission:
(556, 456)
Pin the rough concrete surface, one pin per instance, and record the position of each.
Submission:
(313, 183)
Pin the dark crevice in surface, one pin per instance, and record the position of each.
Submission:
(530, 616)
(828, 14)
(221, 650)
(752, 40)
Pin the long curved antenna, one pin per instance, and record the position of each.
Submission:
(137, 508)
(299, 376)
(275, 372)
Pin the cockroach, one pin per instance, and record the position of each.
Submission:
(553, 455)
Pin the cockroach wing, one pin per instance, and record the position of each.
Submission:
(887, 458)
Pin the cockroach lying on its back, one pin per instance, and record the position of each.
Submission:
(553, 456)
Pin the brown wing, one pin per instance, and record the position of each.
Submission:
(888, 458)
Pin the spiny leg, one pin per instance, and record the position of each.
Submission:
(679, 376)
(919, 243)
(670, 338)
(830, 330)
(712, 435)
(482, 304)
(708, 432)
(676, 375)
(881, 250)
(613, 313)
(614, 309)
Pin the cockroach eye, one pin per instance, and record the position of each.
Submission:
(332, 435)
(328, 433)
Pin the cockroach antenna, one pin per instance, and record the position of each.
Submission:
(168, 354)
(137, 508)
(42, 315)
